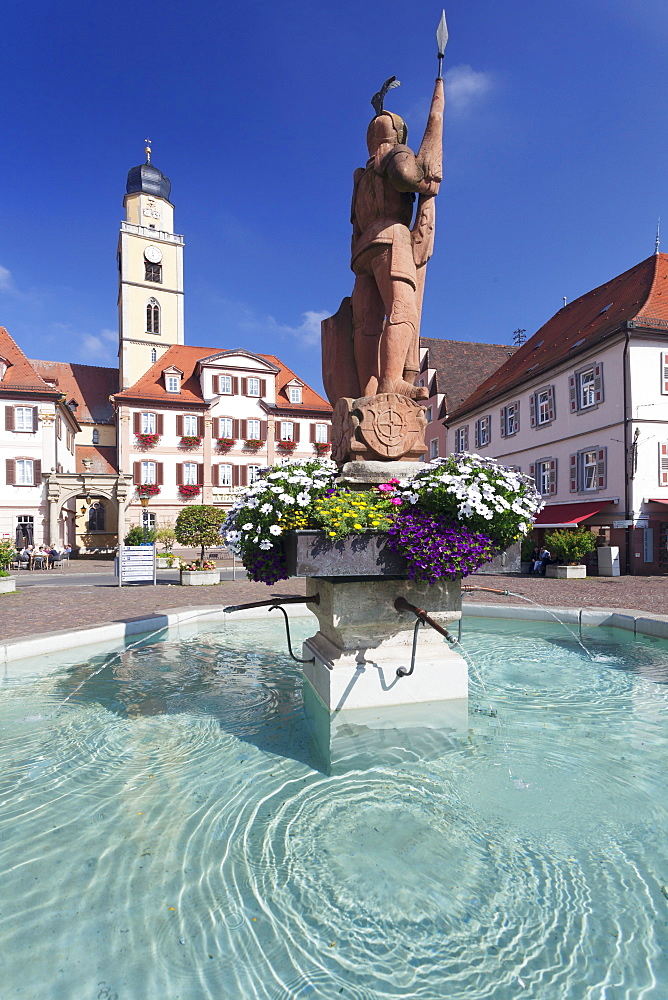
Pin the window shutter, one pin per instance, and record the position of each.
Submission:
(200, 474)
(572, 393)
(137, 423)
(503, 421)
(159, 474)
(10, 470)
(243, 475)
(215, 481)
(532, 405)
(179, 426)
(477, 433)
(550, 400)
(159, 424)
(216, 385)
(243, 429)
(664, 373)
(9, 418)
(136, 473)
(312, 433)
(235, 429)
(573, 473)
(263, 387)
(244, 387)
(601, 468)
(488, 421)
(598, 382)
(532, 471)
(466, 438)
(235, 385)
(663, 463)
(553, 476)
(179, 473)
(235, 475)
(35, 418)
(263, 430)
(295, 431)
(517, 415)
(215, 427)
(329, 433)
(200, 427)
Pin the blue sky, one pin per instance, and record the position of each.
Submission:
(555, 149)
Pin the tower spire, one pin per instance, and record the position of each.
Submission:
(148, 150)
(657, 241)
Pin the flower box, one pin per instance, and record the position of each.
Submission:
(7, 584)
(188, 491)
(164, 562)
(286, 445)
(190, 441)
(321, 447)
(225, 443)
(148, 490)
(566, 572)
(253, 443)
(199, 577)
(312, 553)
(147, 440)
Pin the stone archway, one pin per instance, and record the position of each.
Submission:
(61, 487)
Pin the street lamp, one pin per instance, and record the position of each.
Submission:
(144, 502)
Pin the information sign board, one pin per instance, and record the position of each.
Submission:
(136, 564)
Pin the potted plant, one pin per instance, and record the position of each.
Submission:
(286, 445)
(225, 443)
(147, 440)
(199, 526)
(569, 546)
(253, 443)
(135, 536)
(7, 554)
(190, 441)
(188, 491)
(454, 515)
(166, 537)
(321, 447)
(148, 490)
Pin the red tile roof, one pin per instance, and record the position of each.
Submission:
(20, 375)
(103, 459)
(639, 294)
(150, 387)
(460, 366)
(88, 385)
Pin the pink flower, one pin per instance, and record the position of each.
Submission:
(395, 500)
(385, 487)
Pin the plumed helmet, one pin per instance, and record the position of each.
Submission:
(386, 127)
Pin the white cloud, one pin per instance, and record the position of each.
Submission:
(6, 280)
(95, 348)
(465, 87)
(307, 333)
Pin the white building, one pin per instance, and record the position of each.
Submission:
(582, 407)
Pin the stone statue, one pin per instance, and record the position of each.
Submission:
(371, 345)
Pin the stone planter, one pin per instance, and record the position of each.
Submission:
(199, 577)
(162, 563)
(312, 553)
(7, 584)
(566, 572)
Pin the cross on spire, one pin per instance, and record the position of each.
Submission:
(657, 241)
(148, 150)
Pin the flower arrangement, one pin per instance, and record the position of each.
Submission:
(191, 441)
(570, 546)
(189, 490)
(147, 440)
(321, 447)
(198, 565)
(225, 443)
(253, 443)
(286, 445)
(447, 520)
(148, 490)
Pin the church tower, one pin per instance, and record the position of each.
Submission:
(150, 273)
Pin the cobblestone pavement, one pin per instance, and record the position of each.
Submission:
(32, 610)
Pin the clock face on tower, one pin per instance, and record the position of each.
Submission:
(153, 254)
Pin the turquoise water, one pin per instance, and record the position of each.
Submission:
(168, 831)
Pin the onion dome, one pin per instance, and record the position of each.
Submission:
(147, 178)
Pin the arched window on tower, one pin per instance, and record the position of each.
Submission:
(153, 316)
(154, 356)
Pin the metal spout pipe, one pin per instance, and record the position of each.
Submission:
(401, 604)
(275, 602)
(487, 590)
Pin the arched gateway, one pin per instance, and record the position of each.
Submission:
(99, 498)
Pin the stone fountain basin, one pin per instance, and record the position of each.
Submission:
(312, 553)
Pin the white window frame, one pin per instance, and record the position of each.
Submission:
(24, 474)
(321, 433)
(253, 387)
(96, 436)
(295, 393)
(483, 431)
(225, 385)
(148, 423)
(189, 473)
(23, 419)
(543, 477)
(224, 474)
(226, 427)
(149, 474)
(253, 473)
(253, 425)
(154, 355)
(542, 407)
(172, 383)
(287, 435)
(433, 449)
(190, 425)
(586, 389)
(461, 438)
(428, 414)
(589, 473)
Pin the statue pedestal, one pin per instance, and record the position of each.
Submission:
(387, 427)
(363, 639)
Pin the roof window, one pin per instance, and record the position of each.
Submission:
(605, 308)
(539, 344)
(577, 343)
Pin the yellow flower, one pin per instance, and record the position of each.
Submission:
(357, 526)
(332, 534)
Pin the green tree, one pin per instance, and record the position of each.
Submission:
(570, 546)
(199, 525)
(166, 536)
(135, 536)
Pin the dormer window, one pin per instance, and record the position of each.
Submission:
(3, 368)
(172, 383)
(295, 393)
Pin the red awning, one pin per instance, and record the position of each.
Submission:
(656, 500)
(568, 515)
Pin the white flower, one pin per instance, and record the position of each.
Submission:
(275, 475)
(265, 544)
(248, 526)
(277, 489)
(232, 536)
(286, 498)
(265, 508)
(275, 529)
(303, 499)
(252, 503)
